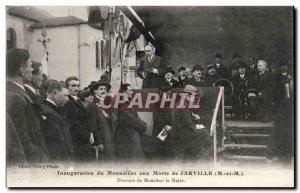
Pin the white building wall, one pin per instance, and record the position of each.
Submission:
(88, 70)
(63, 51)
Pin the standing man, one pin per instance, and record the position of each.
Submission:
(101, 120)
(55, 125)
(198, 77)
(182, 76)
(169, 82)
(221, 69)
(151, 69)
(19, 106)
(240, 85)
(77, 116)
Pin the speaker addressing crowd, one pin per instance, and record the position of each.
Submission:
(54, 121)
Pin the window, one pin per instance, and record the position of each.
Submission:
(11, 39)
(97, 55)
(102, 55)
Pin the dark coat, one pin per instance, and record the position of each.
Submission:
(263, 83)
(57, 134)
(77, 116)
(195, 83)
(240, 85)
(130, 129)
(222, 71)
(280, 88)
(15, 152)
(103, 129)
(182, 81)
(185, 139)
(152, 80)
(211, 79)
(20, 109)
(165, 85)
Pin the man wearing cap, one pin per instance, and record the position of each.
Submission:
(169, 82)
(101, 119)
(240, 85)
(182, 76)
(77, 116)
(151, 69)
(263, 82)
(189, 137)
(221, 69)
(198, 77)
(211, 76)
(19, 106)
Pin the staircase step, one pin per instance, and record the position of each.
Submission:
(248, 146)
(249, 124)
(247, 135)
(243, 158)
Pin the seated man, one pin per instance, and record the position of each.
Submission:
(263, 82)
(212, 76)
(189, 139)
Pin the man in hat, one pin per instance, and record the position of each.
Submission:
(211, 76)
(189, 137)
(221, 69)
(55, 125)
(240, 85)
(19, 106)
(188, 73)
(101, 119)
(169, 82)
(252, 66)
(263, 82)
(198, 77)
(77, 116)
(236, 59)
(151, 69)
(182, 76)
(283, 80)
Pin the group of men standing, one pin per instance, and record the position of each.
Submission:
(56, 122)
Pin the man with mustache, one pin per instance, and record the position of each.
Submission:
(198, 77)
(151, 68)
(101, 120)
(55, 124)
(77, 116)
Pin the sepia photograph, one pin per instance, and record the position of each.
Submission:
(150, 96)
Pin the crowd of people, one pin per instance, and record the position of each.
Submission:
(55, 121)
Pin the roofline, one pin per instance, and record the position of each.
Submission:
(22, 16)
(60, 25)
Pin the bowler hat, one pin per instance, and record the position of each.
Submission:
(193, 90)
(181, 68)
(95, 85)
(197, 67)
(241, 65)
(169, 69)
